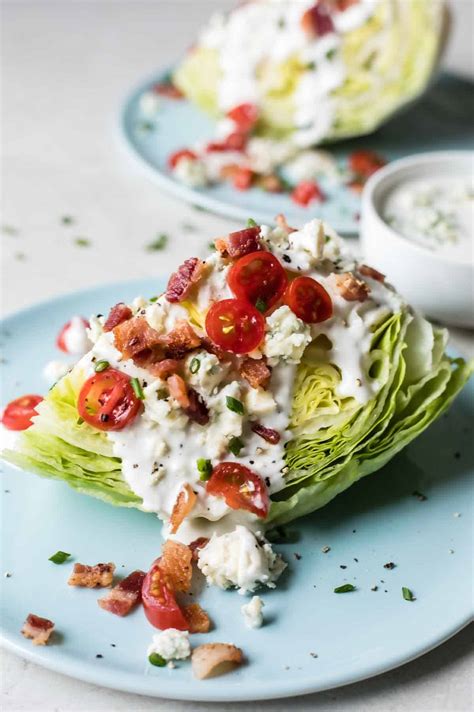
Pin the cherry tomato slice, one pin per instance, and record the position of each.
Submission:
(177, 156)
(305, 192)
(258, 277)
(18, 414)
(107, 400)
(308, 300)
(240, 487)
(365, 162)
(61, 338)
(159, 601)
(245, 116)
(235, 325)
(242, 178)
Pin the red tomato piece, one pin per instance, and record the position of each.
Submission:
(365, 162)
(245, 116)
(177, 156)
(107, 400)
(305, 192)
(236, 141)
(61, 341)
(235, 325)
(159, 601)
(169, 90)
(18, 414)
(240, 487)
(258, 276)
(242, 178)
(308, 300)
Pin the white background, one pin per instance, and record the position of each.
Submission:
(67, 66)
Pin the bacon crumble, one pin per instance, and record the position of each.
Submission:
(118, 314)
(197, 618)
(282, 223)
(214, 659)
(37, 629)
(255, 371)
(184, 504)
(125, 595)
(180, 340)
(268, 434)
(181, 282)
(176, 564)
(197, 409)
(351, 288)
(98, 576)
(197, 545)
(164, 369)
(243, 242)
(371, 272)
(136, 339)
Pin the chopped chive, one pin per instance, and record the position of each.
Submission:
(152, 300)
(79, 421)
(261, 305)
(101, 366)
(345, 588)
(235, 405)
(211, 246)
(137, 388)
(204, 468)
(67, 220)
(331, 53)
(157, 660)
(146, 126)
(82, 242)
(59, 557)
(311, 66)
(251, 223)
(158, 244)
(9, 230)
(235, 445)
(407, 594)
(194, 365)
(326, 238)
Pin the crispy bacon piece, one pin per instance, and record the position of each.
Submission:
(137, 340)
(98, 576)
(221, 246)
(125, 595)
(212, 348)
(178, 390)
(118, 314)
(181, 282)
(182, 507)
(176, 564)
(197, 618)
(197, 545)
(281, 222)
(37, 629)
(268, 434)
(371, 272)
(164, 369)
(317, 21)
(271, 183)
(180, 340)
(197, 409)
(168, 89)
(214, 659)
(255, 371)
(351, 288)
(243, 242)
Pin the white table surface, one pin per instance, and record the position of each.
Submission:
(67, 66)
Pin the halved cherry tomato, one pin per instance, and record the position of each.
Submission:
(305, 192)
(61, 340)
(159, 601)
(107, 400)
(235, 141)
(242, 178)
(177, 156)
(17, 415)
(244, 115)
(240, 487)
(308, 300)
(235, 325)
(365, 162)
(258, 276)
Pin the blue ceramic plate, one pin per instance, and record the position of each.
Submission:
(313, 639)
(441, 120)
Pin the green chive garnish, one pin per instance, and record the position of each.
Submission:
(261, 305)
(235, 405)
(137, 388)
(152, 300)
(158, 244)
(101, 366)
(330, 54)
(311, 66)
(194, 365)
(79, 421)
(407, 594)
(82, 242)
(204, 468)
(211, 246)
(67, 220)
(59, 557)
(157, 660)
(251, 223)
(345, 588)
(235, 446)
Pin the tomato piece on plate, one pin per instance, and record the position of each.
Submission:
(177, 156)
(364, 162)
(159, 601)
(242, 178)
(305, 192)
(235, 325)
(244, 115)
(107, 400)
(18, 414)
(240, 487)
(61, 338)
(258, 278)
(308, 300)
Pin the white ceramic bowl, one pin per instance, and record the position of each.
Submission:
(440, 286)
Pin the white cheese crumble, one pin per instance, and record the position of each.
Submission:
(240, 559)
(191, 172)
(252, 612)
(149, 103)
(171, 644)
(286, 337)
(259, 402)
(54, 370)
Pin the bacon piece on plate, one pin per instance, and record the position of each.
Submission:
(164, 369)
(182, 507)
(118, 314)
(178, 390)
(268, 434)
(176, 563)
(255, 371)
(317, 21)
(37, 629)
(137, 340)
(282, 223)
(197, 618)
(98, 576)
(243, 242)
(167, 89)
(180, 340)
(371, 272)
(213, 659)
(197, 545)
(351, 288)
(181, 282)
(197, 409)
(125, 595)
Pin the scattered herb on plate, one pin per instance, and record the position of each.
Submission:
(59, 557)
(407, 594)
(345, 588)
(82, 242)
(159, 243)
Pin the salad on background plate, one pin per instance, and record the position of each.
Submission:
(263, 382)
